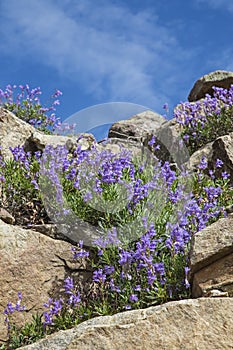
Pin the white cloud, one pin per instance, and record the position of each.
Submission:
(112, 51)
(216, 4)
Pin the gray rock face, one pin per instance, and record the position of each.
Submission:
(136, 127)
(186, 324)
(204, 85)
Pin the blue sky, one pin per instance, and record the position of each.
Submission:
(141, 52)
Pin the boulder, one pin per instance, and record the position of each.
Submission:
(211, 258)
(196, 157)
(6, 216)
(204, 85)
(215, 279)
(222, 148)
(186, 324)
(15, 132)
(168, 137)
(36, 265)
(136, 127)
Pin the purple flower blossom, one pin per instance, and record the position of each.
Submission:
(203, 164)
(128, 307)
(99, 276)
(219, 163)
(55, 307)
(10, 309)
(133, 298)
(225, 175)
(152, 141)
(79, 252)
(187, 284)
(74, 296)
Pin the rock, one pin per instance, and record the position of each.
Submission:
(211, 258)
(37, 141)
(15, 132)
(73, 231)
(196, 157)
(222, 148)
(204, 85)
(215, 293)
(36, 265)
(186, 324)
(212, 243)
(168, 137)
(216, 276)
(136, 127)
(6, 217)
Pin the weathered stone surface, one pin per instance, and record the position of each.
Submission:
(6, 217)
(217, 276)
(199, 324)
(36, 265)
(72, 232)
(15, 132)
(204, 85)
(196, 157)
(222, 148)
(37, 141)
(212, 243)
(168, 137)
(137, 126)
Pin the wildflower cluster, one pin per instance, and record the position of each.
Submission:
(27, 106)
(19, 186)
(10, 309)
(204, 120)
(59, 308)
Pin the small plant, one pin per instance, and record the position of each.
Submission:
(30, 333)
(27, 106)
(205, 120)
(19, 188)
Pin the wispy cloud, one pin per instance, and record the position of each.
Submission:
(216, 4)
(112, 51)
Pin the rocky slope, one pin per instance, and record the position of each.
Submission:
(38, 259)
